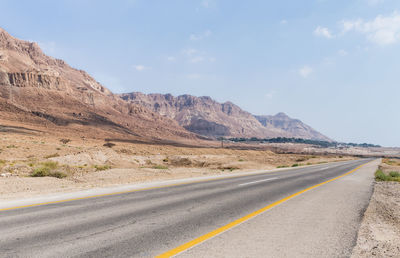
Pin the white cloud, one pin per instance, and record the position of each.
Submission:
(305, 71)
(375, 2)
(323, 32)
(140, 68)
(342, 52)
(200, 36)
(383, 30)
(284, 21)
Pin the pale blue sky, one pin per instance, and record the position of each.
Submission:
(332, 63)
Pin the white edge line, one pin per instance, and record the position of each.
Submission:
(258, 181)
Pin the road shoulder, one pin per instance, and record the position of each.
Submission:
(320, 223)
(379, 234)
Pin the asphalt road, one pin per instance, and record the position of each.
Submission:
(150, 222)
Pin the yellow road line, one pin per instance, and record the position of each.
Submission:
(235, 223)
(131, 191)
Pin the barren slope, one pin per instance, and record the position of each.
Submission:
(38, 89)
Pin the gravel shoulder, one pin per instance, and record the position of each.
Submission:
(379, 234)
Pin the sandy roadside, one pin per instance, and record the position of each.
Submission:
(86, 163)
(379, 234)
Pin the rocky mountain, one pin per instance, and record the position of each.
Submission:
(41, 90)
(205, 116)
(294, 127)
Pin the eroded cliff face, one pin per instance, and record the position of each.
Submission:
(203, 115)
(48, 91)
(35, 80)
(294, 127)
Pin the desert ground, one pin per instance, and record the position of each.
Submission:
(35, 163)
(379, 234)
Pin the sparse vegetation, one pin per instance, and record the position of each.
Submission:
(52, 156)
(391, 162)
(48, 169)
(322, 144)
(101, 167)
(295, 165)
(65, 141)
(382, 176)
(160, 167)
(11, 146)
(282, 166)
(40, 172)
(50, 164)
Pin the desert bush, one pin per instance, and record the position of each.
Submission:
(230, 168)
(295, 165)
(58, 174)
(181, 162)
(50, 164)
(48, 169)
(282, 166)
(394, 174)
(381, 176)
(41, 172)
(52, 156)
(109, 144)
(65, 141)
(102, 167)
(160, 167)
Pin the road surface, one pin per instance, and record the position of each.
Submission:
(151, 222)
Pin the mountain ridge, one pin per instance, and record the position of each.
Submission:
(205, 116)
